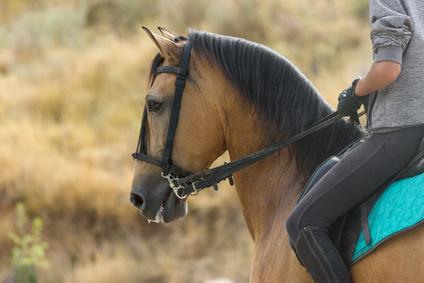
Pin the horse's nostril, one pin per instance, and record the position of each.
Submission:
(136, 200)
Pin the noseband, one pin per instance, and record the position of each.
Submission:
(169, 171)
(184, 183)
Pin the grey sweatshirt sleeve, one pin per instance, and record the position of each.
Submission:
(391, 30)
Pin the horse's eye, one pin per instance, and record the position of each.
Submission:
(154, 106)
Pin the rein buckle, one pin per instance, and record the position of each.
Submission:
(172, 184)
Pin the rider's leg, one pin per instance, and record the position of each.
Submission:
(350, 181)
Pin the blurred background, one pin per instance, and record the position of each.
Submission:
(73, 75)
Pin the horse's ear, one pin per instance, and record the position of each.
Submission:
(167, 48)
(166, 33)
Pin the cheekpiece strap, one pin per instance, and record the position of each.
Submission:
(176, 104)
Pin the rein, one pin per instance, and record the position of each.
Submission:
(184, 183)
(192, 184)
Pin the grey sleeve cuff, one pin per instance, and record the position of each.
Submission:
(389, 53)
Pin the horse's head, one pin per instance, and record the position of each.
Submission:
(198, 138)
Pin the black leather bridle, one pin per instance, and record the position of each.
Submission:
(169, 171)
(184, 183)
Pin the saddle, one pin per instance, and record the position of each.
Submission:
(345, 232)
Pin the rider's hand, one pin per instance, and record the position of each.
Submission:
(349, 102)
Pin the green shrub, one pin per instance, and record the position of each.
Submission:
(29, 248)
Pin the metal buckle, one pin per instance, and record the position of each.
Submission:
(196, 191)
(172, 181)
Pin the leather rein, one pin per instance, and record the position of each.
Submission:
(184, 183)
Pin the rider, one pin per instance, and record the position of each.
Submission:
(396, 122)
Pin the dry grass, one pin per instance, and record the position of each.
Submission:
(71, 97)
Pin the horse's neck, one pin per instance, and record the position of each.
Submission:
(267, 189)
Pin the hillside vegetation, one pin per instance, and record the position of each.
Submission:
(73, 75)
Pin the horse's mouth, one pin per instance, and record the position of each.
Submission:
(159, 215)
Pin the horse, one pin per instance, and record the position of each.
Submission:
(240, 97)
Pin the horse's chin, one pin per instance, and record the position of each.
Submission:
(172, 208)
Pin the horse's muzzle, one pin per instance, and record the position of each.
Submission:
(155, 200)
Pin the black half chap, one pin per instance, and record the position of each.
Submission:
(354, 178)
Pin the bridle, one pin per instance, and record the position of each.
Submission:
(184, 183)
(169, 171)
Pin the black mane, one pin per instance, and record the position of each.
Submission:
(281, 95)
